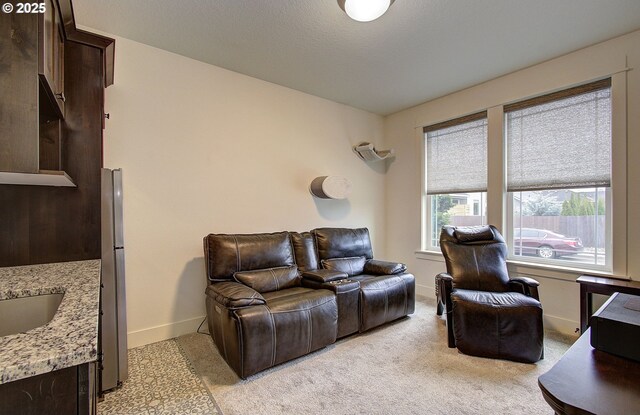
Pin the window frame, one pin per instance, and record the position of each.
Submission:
(426, 199)
(509, 236)
(508, 233)
(496, 186)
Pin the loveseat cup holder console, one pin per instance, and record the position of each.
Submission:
(340, 282)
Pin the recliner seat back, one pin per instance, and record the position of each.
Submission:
(264, 261)
(475, 257)
(304, 248)
(342, 243)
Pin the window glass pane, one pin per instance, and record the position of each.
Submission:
(458, 209)
(560, 225)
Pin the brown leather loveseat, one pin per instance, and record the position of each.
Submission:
(273, 297)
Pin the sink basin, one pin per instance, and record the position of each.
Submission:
(26, 313)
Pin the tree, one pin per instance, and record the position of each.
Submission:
(580, 205)
(571, 206)
(586, 208)
(443, 204)
(601, 206)
(541, 204)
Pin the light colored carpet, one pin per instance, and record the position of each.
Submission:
(161, 381)
(401, 368)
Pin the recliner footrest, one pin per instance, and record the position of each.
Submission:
(503, 325)
(385, 298)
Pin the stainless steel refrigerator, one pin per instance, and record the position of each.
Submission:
(112, 339)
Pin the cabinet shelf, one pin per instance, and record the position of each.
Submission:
(41, 178)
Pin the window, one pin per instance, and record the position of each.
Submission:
(568, 225)
(551, 167)
(455, 175)
(559, 177)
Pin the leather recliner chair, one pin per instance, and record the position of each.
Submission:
(258, 313)
(488, 314)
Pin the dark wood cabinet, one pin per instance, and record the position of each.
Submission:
(69, 391)
(43, 224)
(32, 104)
(51, 59)
(19, 89)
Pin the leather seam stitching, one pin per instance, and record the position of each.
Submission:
(310, 330)
(241, 338)
(238, 260)
(386, 305)
(274, 339)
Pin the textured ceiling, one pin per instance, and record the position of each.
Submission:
(419, 50)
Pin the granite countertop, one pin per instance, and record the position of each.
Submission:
(71, 337)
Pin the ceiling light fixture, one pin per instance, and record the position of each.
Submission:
(365, 10)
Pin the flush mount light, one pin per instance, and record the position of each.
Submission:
(365, 10)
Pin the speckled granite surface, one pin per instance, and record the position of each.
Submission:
(71, 337)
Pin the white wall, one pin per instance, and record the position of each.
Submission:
(559, 293)
(206, 150)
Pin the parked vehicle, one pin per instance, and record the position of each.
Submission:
(544, 243)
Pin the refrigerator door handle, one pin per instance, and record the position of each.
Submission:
(118, 229)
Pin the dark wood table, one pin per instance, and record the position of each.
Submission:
(590, 285)
(588, 381)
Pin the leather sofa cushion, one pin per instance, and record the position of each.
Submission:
(324, 275)
(297, 299)
(305, 251)
(227, 254)
(377, 267)
(342, 243)
(350, 266)
(502, 300)
(270, 279)
(233, 295)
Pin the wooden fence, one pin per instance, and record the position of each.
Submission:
(589, 229)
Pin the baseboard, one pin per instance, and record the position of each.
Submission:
(555, 323)
(561, 325)
(162, 332)
(425, 291)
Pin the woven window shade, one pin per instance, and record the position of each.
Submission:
(456, 155)
(560, 143)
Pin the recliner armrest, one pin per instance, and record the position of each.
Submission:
(377, 267)
(324, 275)
(525, 285)
(234, 295)
(444, 286)
(446, 283)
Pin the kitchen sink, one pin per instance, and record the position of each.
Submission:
(26, 313)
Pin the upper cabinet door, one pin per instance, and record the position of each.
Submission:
(51, 57)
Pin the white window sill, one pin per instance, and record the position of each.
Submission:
(429, 255)
(529, 269)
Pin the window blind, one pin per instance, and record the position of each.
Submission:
(562, 140)
(456, 155)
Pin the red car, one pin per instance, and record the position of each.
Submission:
(544, 243)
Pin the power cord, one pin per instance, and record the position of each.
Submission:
(200, 326)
